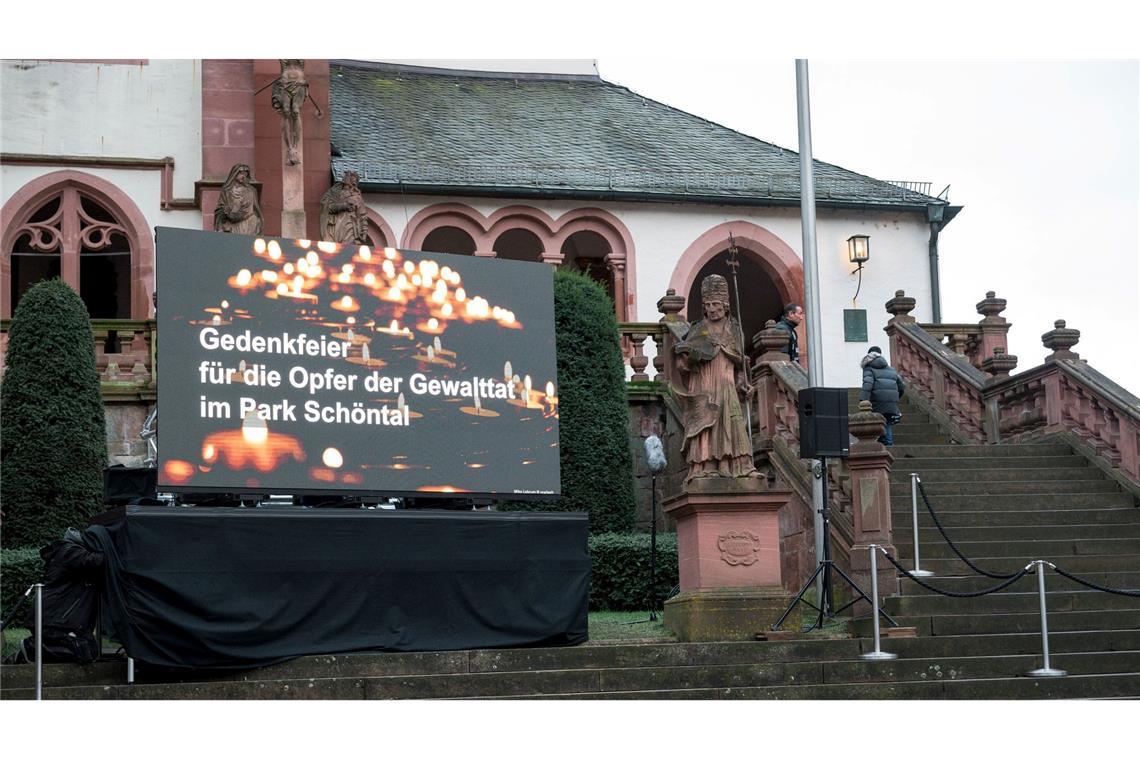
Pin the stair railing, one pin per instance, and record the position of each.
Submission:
(979, 401)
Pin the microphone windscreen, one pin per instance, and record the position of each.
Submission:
(654, 454)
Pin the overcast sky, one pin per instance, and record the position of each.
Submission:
(1043, 156)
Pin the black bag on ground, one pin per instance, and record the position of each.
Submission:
(72, 575)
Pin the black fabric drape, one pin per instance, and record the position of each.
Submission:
(227, 587)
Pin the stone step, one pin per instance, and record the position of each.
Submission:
(727, 685)
(1078, 565)
(901, 517)
(1025, 622)
(921, 439)
(912, 463)
(1009, 643)
(1124, 580)
(900, 473)
(901, 489)
(961, 668)
(367, 664)
(1116, 686)
(997, 451)
(1003, 602)
(1053, 549)
(1015, 502)
(931, 535)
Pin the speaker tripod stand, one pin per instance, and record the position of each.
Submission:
(826, 567)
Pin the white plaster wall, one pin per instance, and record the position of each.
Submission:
(149, 110)
(662, 232)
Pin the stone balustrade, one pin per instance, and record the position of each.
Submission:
(124, 352)
(983, 403)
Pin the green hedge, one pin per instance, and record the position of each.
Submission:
(19, 568)
(620, 570)
(593, 416)
(54, 446)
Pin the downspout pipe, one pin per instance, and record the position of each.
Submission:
(934, 217)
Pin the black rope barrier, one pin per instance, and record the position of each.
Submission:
(954, 548)
(1095, 586)
(16, 610)
(958, 594)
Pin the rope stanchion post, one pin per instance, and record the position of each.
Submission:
(39, 641)
(917, 571)
(1045, 671)
(878, 654)
(130, 670)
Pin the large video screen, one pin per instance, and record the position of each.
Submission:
(297, 366)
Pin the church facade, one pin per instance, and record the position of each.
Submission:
(555, 166)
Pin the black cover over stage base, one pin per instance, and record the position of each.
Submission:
(210, 587)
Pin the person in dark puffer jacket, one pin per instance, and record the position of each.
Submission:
(883, 387)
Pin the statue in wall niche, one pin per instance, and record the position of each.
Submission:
(289, 93)
(238, 210)
(711, 363)
(342, 212)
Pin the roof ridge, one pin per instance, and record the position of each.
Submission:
(534, 76)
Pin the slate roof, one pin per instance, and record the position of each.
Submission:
(423, 130)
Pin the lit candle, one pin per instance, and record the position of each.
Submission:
(365, 253)
(507, 371)
(244, 277)
(253, 428)
(259, 246)
(332, 458)
(390, 253)
(274, 250)
(327, 247)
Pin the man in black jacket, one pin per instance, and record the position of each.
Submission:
(791, 318)
(883, 387)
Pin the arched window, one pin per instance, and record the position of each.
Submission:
(75, 231)
(449, 240)
(585, 251)
(519, 245)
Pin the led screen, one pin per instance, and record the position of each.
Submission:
(308, 367)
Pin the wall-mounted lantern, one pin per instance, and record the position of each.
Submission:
(859, 250)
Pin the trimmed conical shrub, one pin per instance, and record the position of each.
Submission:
(593, 414)
(53, 444)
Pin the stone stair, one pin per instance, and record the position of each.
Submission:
(1003, 505)
(1101, 664)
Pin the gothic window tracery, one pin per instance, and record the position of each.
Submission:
(74, 236)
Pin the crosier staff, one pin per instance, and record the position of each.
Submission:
(733, 265)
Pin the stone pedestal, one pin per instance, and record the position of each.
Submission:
(728, 555)
(870, 466)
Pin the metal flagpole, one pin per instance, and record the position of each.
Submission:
(811, 287)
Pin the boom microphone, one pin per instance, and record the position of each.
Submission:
(654, 454)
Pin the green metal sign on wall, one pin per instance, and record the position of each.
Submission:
(855, 325)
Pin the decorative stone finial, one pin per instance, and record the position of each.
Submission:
(1059, 340)
(772, 343)
(900, 307)
(671, 304)
(1000, 364)
(868, 426)
(990, 307)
